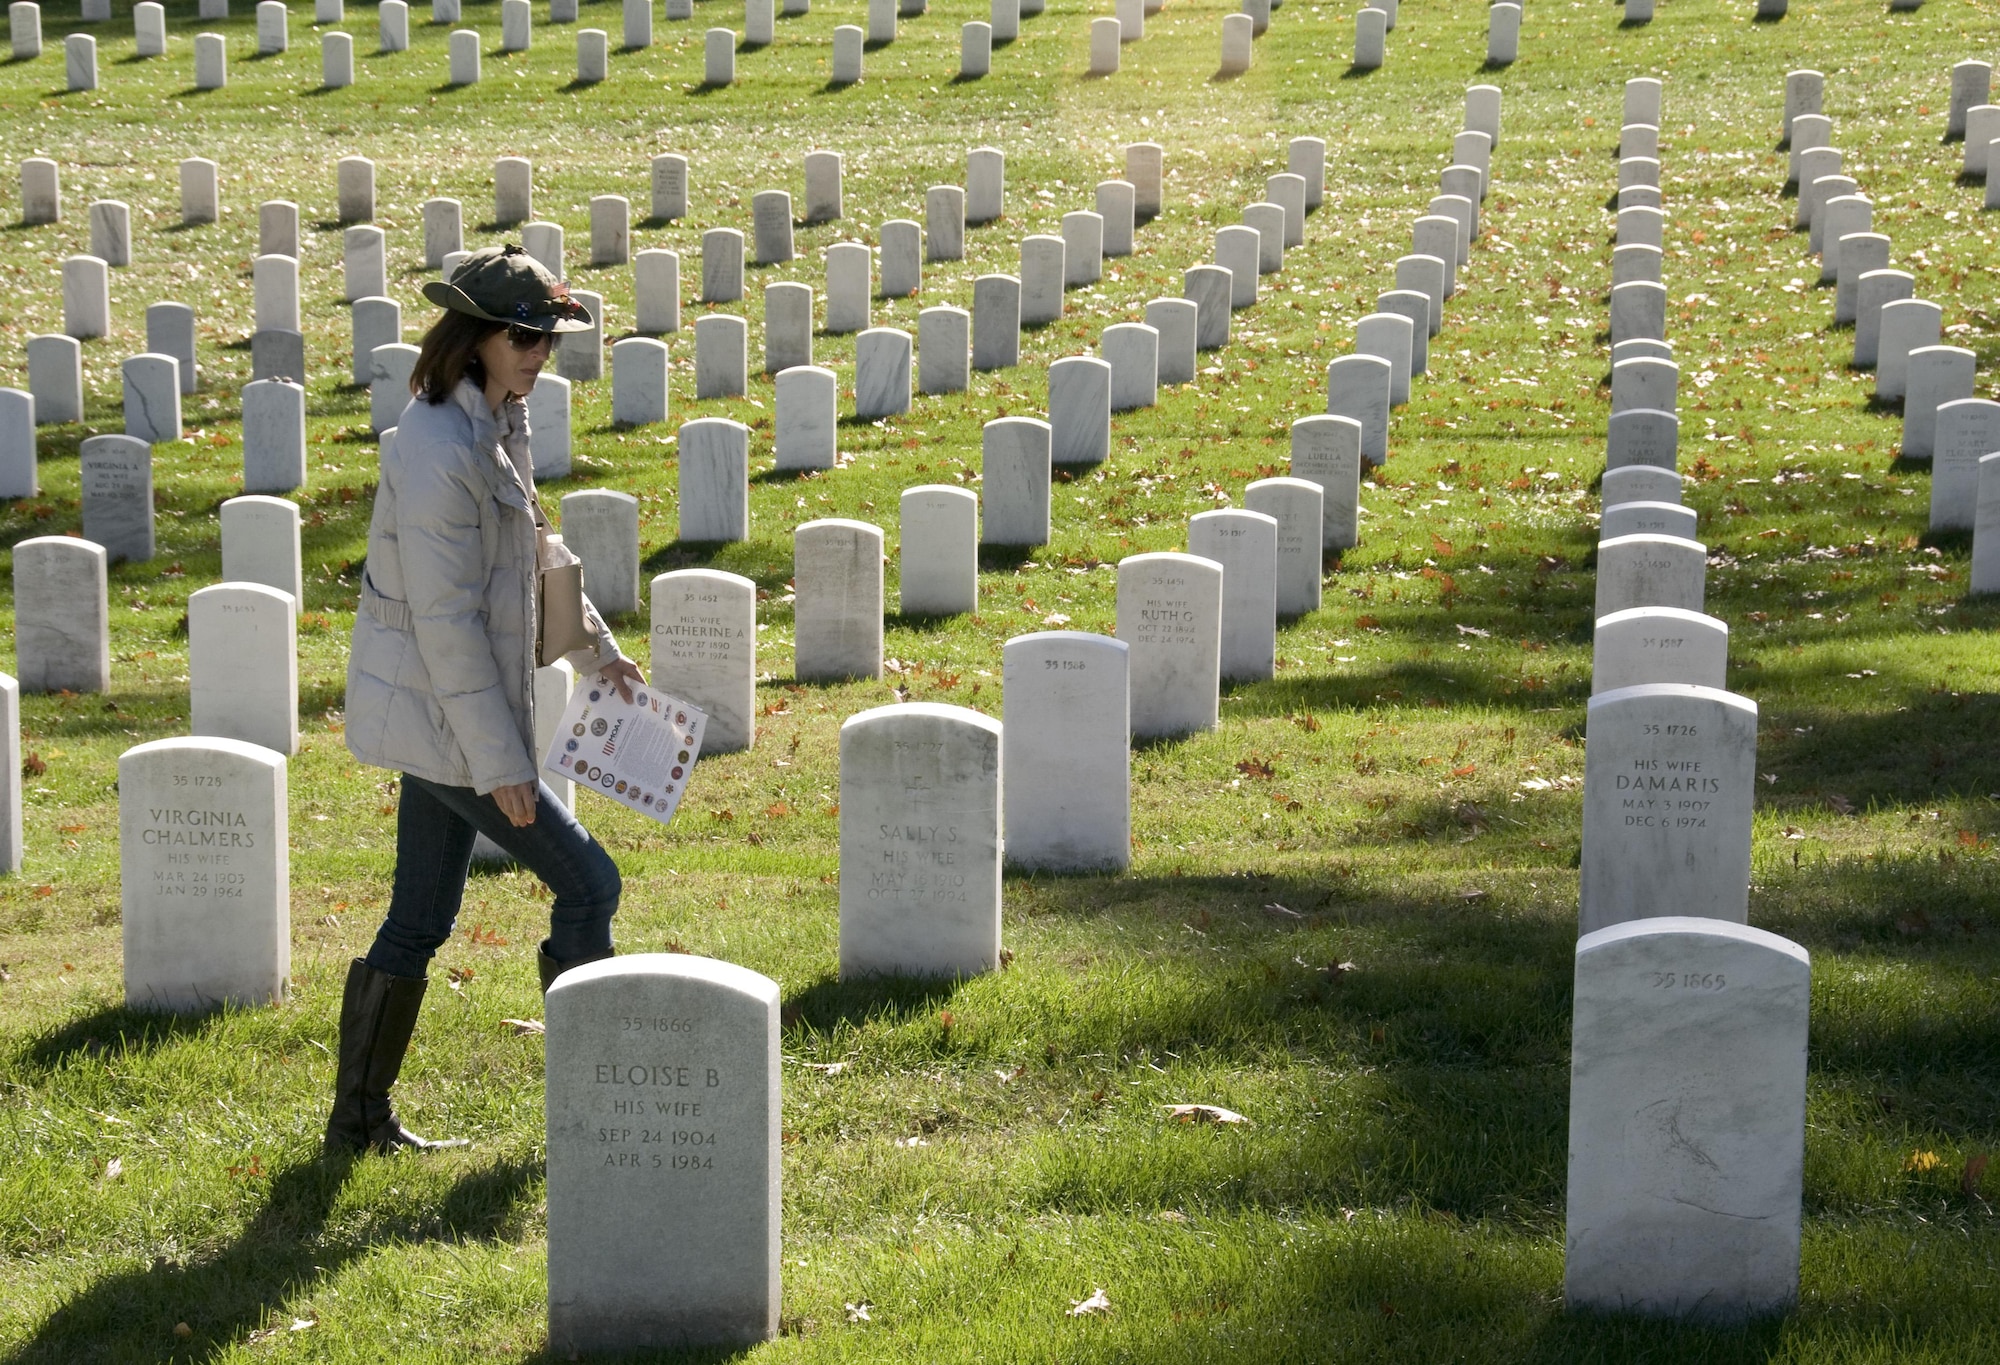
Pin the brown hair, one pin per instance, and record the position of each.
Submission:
(450, 352)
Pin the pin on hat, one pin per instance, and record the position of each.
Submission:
(504, 284)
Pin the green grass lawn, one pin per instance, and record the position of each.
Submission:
(992, 1152)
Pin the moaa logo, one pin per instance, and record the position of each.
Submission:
(599, 726)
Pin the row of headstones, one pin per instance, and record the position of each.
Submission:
(1648, 557)
(1392, 345)
(1377, 19)
(1687, 1103)
(1896, 334)
(278, 344)
(243, 671)
(1971, 117)
(1686, 1210)
(516, 22)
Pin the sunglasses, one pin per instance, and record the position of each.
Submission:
(527, 338)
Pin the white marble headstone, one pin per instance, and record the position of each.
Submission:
(1658, 645)
(601, 527)
(837, 607)
(1298, 506)
(996, 322)
(260, 544)
(62, 620)
(664, 1203)
(55, 378)
(938, 554)
(944, 350)
(704, 642)
(205, 865)
(1968, 429)
(1177, 321)
(116, 473)
(1650, 571)
(882, 372)
(1080, 410)
(1014, 481)
(920, 811)
(714, 480)
(807, 421)
(638, 381)
(243, 665)
(1245, 544)
(1937, 375)
(656, 281)
(1668, 794)
(274, 436)
(1687, 1115)
(1326, 451)
(1358, 386)
(1170, 613)
(1066, 750)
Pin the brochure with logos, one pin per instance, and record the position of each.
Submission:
(639, 753)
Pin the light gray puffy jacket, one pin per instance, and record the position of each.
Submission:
(440, 680)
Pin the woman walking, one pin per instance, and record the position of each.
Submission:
(462, 597)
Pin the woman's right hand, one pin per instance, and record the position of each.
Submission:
(517, 803)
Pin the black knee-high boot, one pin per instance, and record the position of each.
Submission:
(550, 969)
(378, 1013)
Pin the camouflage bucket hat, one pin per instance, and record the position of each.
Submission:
(507, 285)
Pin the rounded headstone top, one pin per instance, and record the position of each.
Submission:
(1068, 637)
(706, 971)
(1168, 559)
(1685, 925)
(1687, 691)
(1692, 618)
(942, 490)
(839, 524)
(720, 577)
(241, 749)
(903, 712)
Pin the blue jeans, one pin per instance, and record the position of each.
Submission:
(435, 828)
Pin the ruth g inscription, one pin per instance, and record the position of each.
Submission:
(1166, 617)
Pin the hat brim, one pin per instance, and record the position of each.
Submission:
(447, 295)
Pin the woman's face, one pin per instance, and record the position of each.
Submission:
(509, 367)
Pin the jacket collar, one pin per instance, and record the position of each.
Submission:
(490, 434)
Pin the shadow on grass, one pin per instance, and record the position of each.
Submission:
(887, 999)
(281, 1255)
(119, 1030)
